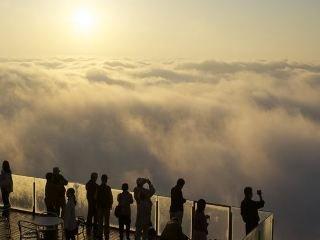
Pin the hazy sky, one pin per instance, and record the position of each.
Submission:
(220, 29)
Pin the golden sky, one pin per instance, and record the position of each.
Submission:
(219, 29)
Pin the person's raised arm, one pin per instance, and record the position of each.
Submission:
(261, 201)
(151, 188)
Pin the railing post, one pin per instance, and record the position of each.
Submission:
(192, 217)
(34, 198)
(230, 224)
(157, 215)
(272, 226)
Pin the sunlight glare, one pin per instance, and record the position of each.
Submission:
(83, 20)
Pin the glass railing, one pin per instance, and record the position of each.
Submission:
(225, 221)
(238, 228)
(263, 232)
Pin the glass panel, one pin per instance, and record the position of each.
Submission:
(266, 229)
(238, 226)
(22, 196)
(164, 215)
(219, 222)
(263, 231)
(40, 194)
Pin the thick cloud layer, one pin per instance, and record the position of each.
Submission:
(220, 125)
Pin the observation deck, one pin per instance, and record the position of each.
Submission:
(225, 223)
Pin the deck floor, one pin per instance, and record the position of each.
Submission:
(15, 216)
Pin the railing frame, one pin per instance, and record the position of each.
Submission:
(157, 223)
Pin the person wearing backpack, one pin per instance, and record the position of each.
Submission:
(123, 211)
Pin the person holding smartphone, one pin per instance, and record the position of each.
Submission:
(249, 209)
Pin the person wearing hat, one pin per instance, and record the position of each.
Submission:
(59, 182)
(144, 206)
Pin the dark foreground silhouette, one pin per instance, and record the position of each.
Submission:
(249, 209)
(100, 202)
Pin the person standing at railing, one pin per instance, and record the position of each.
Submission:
(60, 183)
(144, 206)
(200, 222)
(249, 209)
(104, 204)
(50, 194)
(6, 184)
(92, 191)
(125, 200)
(177, 201)
(70, 222)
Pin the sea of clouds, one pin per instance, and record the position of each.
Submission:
(220, 125)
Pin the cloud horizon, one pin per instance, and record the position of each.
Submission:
(239, 123)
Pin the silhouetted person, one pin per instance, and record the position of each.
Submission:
(173, 231)
(177, 201)
(152, 234)
(144, 206)
(59, 182)
(125, 199)
(200, 222)
(104, 204)
(6, 185)
(249, 209)
(92, 191)
(50, 194)
(70, 222)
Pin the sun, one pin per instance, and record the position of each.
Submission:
(83, 20)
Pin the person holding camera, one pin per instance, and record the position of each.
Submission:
(249, 209)
(144, 206)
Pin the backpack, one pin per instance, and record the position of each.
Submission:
(117, 211)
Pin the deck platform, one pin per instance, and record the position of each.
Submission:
(15, 216)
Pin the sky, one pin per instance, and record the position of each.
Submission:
(226, 89)
(220, 29)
